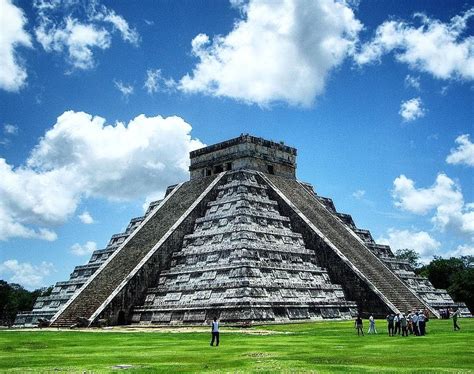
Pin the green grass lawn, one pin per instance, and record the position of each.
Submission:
(317, 347)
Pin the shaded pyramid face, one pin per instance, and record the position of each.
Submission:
(243, 262)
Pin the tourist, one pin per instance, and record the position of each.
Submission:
(455, 320)
(372, 329)
(358, 326)
(215, 332)
(410, 322)
(403, 324)
(421, 323)
(415, 324)
(397, 324)
(390, 319)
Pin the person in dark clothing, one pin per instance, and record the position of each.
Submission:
(359, 326)
(215, 332)
(421, 323)
(390, 319)
(404, 324)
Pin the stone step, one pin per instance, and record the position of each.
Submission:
(355, 251)
(94, 293)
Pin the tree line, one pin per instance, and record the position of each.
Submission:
(455, 274)
(14, 298)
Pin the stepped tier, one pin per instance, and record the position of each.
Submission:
(375, 288)
(132, 265)
(243, 262)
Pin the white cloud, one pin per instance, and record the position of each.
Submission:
(359, 194)
(77, 38)
(420, 241)
(444, 197)
(83, 250)
(433, 47)
(461, 250)
(86, 218)
(281, 51)
(81, 156)
(26, 274)
(464, 153)
(155, 82)
(125, 89)
(10, 129)
(128, 34)
(60, 30)
(13, 35)
(412, 109)
(413, 82)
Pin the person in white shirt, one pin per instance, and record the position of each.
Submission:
(397, 324)
(415, 324)
(372, 329)
(215, 332)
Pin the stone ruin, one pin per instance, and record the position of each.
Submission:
(244, 241)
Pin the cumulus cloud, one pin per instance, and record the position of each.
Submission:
(125, 89)
(444, 197)
(81, 156)
(359, 194)
(60, 30)
(83, 250)
(420, 241)
(462, 250)
(464, 153)
(26, 274)
(280, 51)
(13, 35)
(155, 82)
(412, 109)
(440, 49)
(86, 218)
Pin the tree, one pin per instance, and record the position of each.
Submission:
(462, 287)
(456, 275)
(440, 271)
(13, 299)
(409, 255)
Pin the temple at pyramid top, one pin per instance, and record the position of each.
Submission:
(244, 152)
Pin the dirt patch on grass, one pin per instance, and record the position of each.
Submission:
(160, 329)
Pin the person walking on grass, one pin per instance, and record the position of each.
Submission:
(359, 326)
(215, 332)
(372, 329)
(390, 319)
(455, 320)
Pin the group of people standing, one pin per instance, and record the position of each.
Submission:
(413, 323)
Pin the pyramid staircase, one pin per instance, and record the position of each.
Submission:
(128, 261)
(243, 262)
(347, 246)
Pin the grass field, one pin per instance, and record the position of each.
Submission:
(307, 347)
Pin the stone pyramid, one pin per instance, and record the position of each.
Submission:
(243, 262)
(245, 241)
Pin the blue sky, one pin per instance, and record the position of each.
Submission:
(100, 103)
